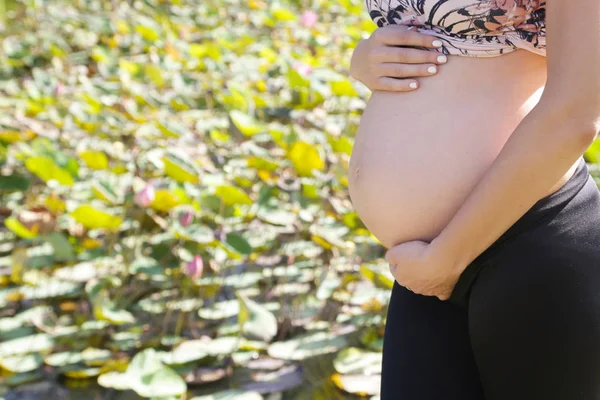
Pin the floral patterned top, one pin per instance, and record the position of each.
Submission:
(473, 28)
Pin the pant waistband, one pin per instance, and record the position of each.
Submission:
(544, 208)
(553, 203)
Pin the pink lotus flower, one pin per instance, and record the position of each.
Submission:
(186, 218)
(145, 197)
(303, 69)
(59, 90)
(194, 268)
(309, 18)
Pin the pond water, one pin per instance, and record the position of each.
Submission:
(316, 385)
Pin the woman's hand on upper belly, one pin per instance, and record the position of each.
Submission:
(380, 64)
(416, 267)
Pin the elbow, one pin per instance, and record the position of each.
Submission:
(580, 133)
(585, 138)
(578, 120)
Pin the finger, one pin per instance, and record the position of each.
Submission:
(398, 35)
(387, 84)
(408, 56)
(396, 70)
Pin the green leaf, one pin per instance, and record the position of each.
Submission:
(18, 229)
(103, 191)
(262, 163)
(130, 67)
(282, 14)
(14, 182)
(592, 154)
(307, 346)
(45, 168)
(164, 200)
(305, 158)
(89, 356)
(277, 216)
(196, 233)
(296, 80)
(223, 346)
(201, 50)
(357, 361)
(343, 88)
(114, 380)
(160, 383)
(256, 322)
(155, 74)
(63, 250)
(79, 371)
(247, 125)
(50, 288)
(102, 55)
(233, 394)
(94, 159)
(341, 144)
(377, 275)
(27, 344)
(332, 234)
(239, 243)
(362, 385)
(22, 363)
(220, 310)
(107, 311)
(327, 287)
(185, 352)
(21, 379)
(147, 33)
(179, 169)
(92, 218)
(231, 195)
(147, 376)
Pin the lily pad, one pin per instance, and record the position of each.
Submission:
(185, 352)
(307, 346)
(22, 363)
(35, 343)
(356, 361)
(147, 376)
(255, 320)
(231, 395)
(362, 385)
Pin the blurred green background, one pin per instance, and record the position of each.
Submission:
(174, 213)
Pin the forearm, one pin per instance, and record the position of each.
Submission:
(539, 152)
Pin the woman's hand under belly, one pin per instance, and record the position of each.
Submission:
(417, 155)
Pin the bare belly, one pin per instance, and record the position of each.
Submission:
(418, 155)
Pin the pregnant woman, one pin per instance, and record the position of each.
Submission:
(468, 167)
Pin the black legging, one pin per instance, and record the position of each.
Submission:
(523, 322)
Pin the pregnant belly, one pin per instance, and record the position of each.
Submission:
(418, 155)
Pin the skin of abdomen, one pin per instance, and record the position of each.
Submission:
(417, 155)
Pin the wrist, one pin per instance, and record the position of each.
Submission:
(447, 255)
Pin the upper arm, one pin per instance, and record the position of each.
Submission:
(573, 54)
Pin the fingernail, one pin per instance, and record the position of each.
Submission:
(432, 70)
(413, 85)
(442, 59)
(437, 43)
